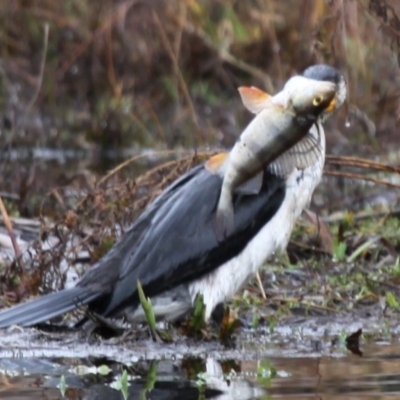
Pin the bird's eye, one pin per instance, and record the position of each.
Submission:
(317, 101)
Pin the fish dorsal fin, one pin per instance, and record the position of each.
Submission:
(254, 99)
(216, 164)
(305, 153)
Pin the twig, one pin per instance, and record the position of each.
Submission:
(261, 286)
(177, 69)
(380, 20)
(117, 88)
(349, 161)
(135, 158)
(387, 284)
(240, 64)
(362, 215)
(303, 303)
(229, 58)
(351, 175)
(119, 14)
(41, 71)
(303, 246)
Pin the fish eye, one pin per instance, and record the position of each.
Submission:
(317, 101)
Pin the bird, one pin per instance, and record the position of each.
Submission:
(172, 248)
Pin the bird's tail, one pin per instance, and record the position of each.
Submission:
(47, 307)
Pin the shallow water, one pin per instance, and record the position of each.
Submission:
(375, 375)
(44, 368)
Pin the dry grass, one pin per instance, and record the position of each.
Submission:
(163, 74)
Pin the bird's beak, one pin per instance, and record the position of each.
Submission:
(331, 106)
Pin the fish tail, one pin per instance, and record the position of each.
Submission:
(224, 216)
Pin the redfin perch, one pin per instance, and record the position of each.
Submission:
(281, 121)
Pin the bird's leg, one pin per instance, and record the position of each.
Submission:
(99, 325)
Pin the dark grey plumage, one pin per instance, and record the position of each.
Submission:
(174, 241)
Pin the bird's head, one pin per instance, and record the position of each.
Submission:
(326, 73)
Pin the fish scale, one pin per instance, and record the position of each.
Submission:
(283, 120)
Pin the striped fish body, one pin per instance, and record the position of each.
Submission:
(284, 120)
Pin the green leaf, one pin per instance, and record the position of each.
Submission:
(122, 384)
(197, 319)
(360, 249)
(339, 249)
(125, 384)
(147, 308)
(62, 385)
(392, 301)
(238, 27)
(103, 369)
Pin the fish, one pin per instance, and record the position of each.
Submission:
(281, 121)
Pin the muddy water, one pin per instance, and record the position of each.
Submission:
(334, 374)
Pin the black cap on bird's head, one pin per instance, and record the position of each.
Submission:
(322, 72)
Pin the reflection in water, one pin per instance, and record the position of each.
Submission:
(374, 376)
(184, 380)
(171, 390)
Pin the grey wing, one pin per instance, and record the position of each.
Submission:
(180, 242)
(303, 154)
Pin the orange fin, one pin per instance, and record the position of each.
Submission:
(215, 163)
(254, 99)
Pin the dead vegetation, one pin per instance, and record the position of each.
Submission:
(107, 76)
(136, 74)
